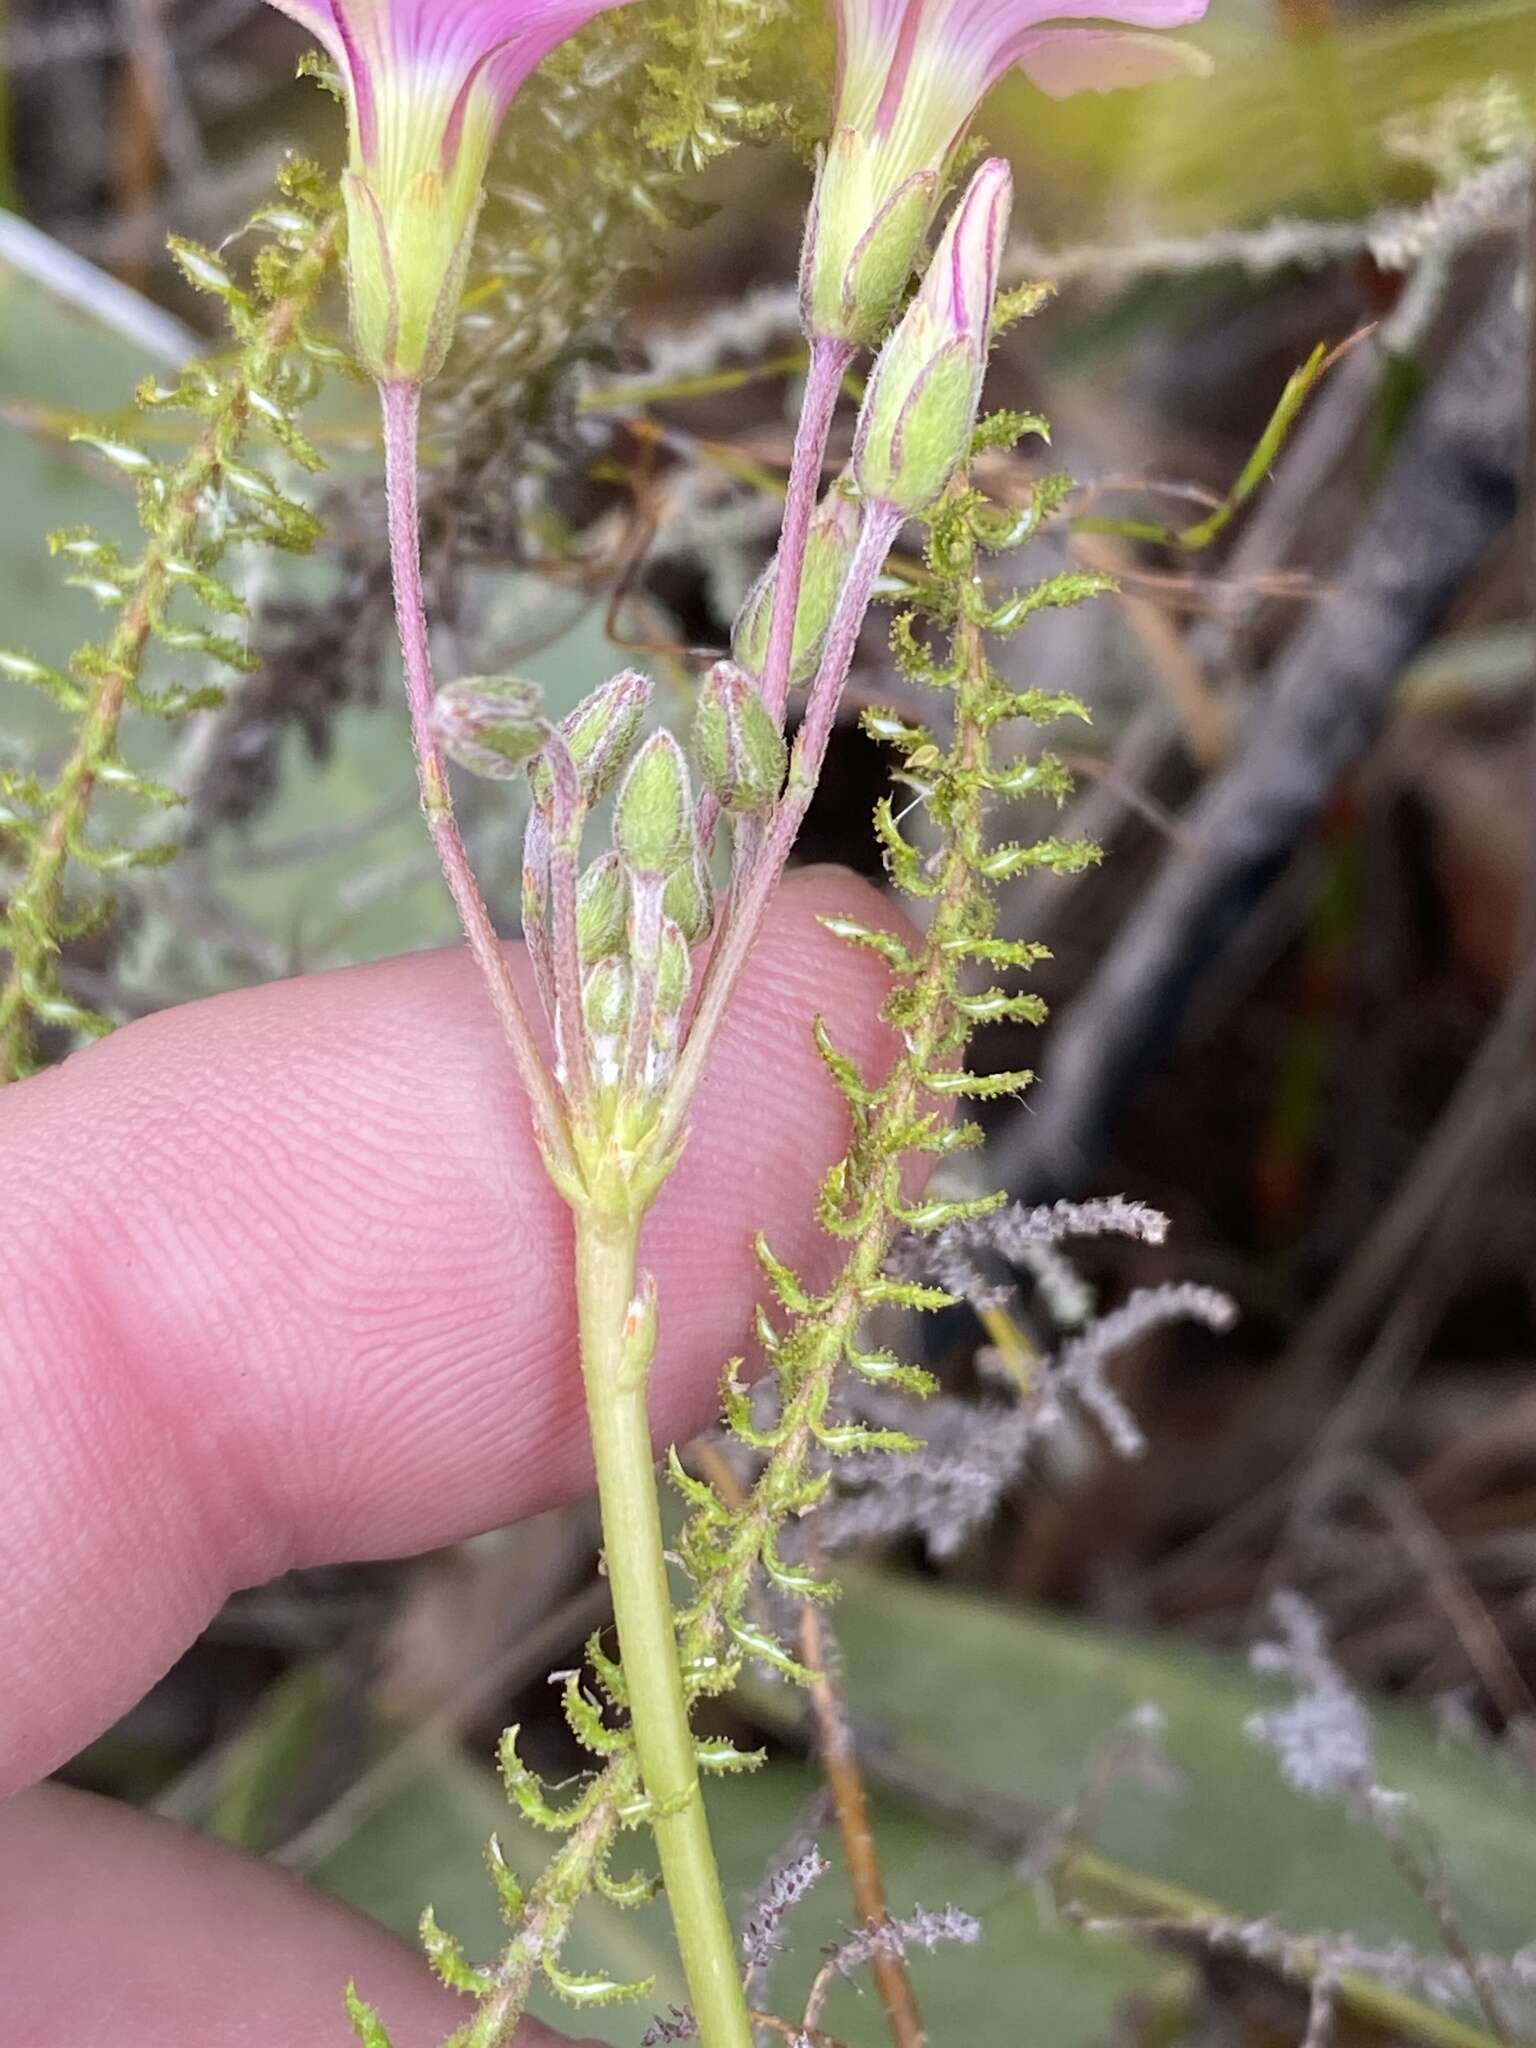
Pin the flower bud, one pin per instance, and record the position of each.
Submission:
(600, 735)
(737, 749)
(828, 551)
(920, 409)
(491, 725)
(602, 909)
(674, 970)
(653, 824)
(689, 899)
(605, 1000)
(862, 240)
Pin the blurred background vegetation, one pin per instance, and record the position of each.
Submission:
(1294, 1008)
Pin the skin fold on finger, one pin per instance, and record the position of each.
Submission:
(117, 1927)
(282, 1281)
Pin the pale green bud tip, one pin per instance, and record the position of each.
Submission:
(829, 549)
(490, 725)
(602, 909)
(920, 409)
(737, 748)
(653, 824)
(862, 240)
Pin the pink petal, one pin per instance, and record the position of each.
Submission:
(1063, 61)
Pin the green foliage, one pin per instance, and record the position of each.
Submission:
(168, 598)
(699, 106)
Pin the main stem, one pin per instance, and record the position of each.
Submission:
(615, 1369)
(401, 404)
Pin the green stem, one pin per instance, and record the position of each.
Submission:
(615, 1358)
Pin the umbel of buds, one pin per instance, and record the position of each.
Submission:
(833, 535)
(920, 408)
(737, 748)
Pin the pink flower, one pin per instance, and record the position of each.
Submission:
(911, 75)
(428, 83)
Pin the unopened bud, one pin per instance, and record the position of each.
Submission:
(674, 970)
(605, 1000)
(601, 731)
(689, 900)
(653, 824)
(491, 725)
(862, 240)
(828, 551)
(737, 748)
(920, 409)
(602, 909)
(600, 735)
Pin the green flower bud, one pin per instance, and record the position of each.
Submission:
(602, 730)
(653, 824)
(491, 725)
(829, 549)
(605, 1000)
(600, 735)
(602, 909)
(920, 408)
(674, 971)
(737, 749)
(862, 239)
(689, 899)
